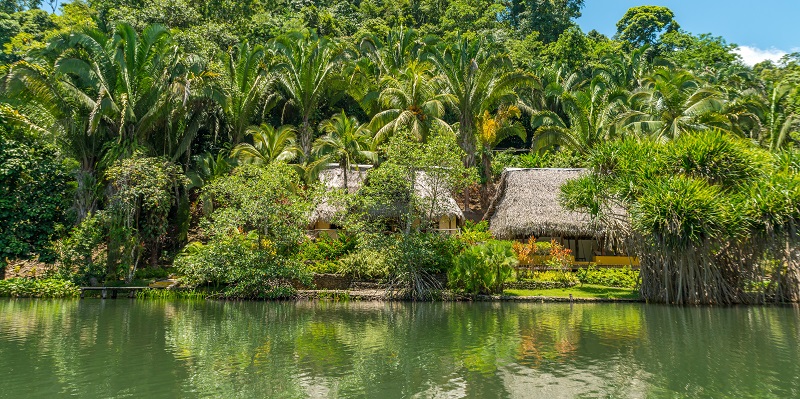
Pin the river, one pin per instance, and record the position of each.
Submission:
(127, 348)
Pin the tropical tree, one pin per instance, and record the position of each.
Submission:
(33, 98)
(139, 88)
(382, 57)
(345, 141)
(245, 80)
(414, 100)
(269, 145)
(672, 102)
(307, 67)
(591, 116)
(783, 115)
(477, 80)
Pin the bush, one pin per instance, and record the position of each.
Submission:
(38, 288)
(256, 228)
(35, 194)
(324, 267)
(555, 276)
(326, 248)
(365, 264)
(243, 265)
(473, 233)
(152, 273)
(610, 277)
(428, 252)
(77, 252)
(483, 268)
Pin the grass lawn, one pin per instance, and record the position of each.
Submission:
(580, 291)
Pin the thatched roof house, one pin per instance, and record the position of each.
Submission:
(445, 210)
(332, 177)
(527, 204)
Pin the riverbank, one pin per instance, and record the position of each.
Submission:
(601, 295)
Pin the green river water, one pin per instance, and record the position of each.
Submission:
(126, 348)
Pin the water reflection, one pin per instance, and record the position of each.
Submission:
(123, 348)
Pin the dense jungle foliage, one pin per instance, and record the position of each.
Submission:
(142, 133)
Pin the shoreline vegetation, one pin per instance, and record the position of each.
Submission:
(480, 149)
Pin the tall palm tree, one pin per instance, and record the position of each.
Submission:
(138, 87)
(244, 95)
(346, 142)
(380, 57)
(478, 80)
(672, 102)
(307, 67)
(590, 118)
(269, 145)
(414, 100)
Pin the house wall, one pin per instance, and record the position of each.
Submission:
(323, 227)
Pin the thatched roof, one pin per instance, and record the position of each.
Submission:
(445, 204)
(527, 204)
(333, 178)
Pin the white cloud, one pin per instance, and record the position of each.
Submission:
(754, 55)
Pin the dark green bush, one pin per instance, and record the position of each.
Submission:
(35, 195)
(38, 288)
(79, 255)
(242, 266)
(609, 277)
(326, 248)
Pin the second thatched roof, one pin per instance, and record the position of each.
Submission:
(527, 204)
(332, 177)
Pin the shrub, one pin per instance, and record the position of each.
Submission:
(610, 277)
(35, 194)
(78, 254)
(473, 233)
(244, 265)
(256, 227)
(326, 248)
(38, 288)
(555, 276)
(324, 267)
(137, 213)
(365, 264)
(483, 268)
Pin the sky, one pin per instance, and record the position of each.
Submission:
(763, 29)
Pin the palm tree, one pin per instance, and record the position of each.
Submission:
(590, 120)
(33, 98)
(478, 80)
(244, 84)
(269, 145)
(783, 114)
(672, 102)
(382, 57)
(138, 87)
(414, 101)
(345, 141)
(307, 67)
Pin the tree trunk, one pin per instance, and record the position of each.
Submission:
(85, 201)
(466, 140)
(486, 161)
(305, 139)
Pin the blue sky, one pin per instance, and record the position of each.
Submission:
(764, 29)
